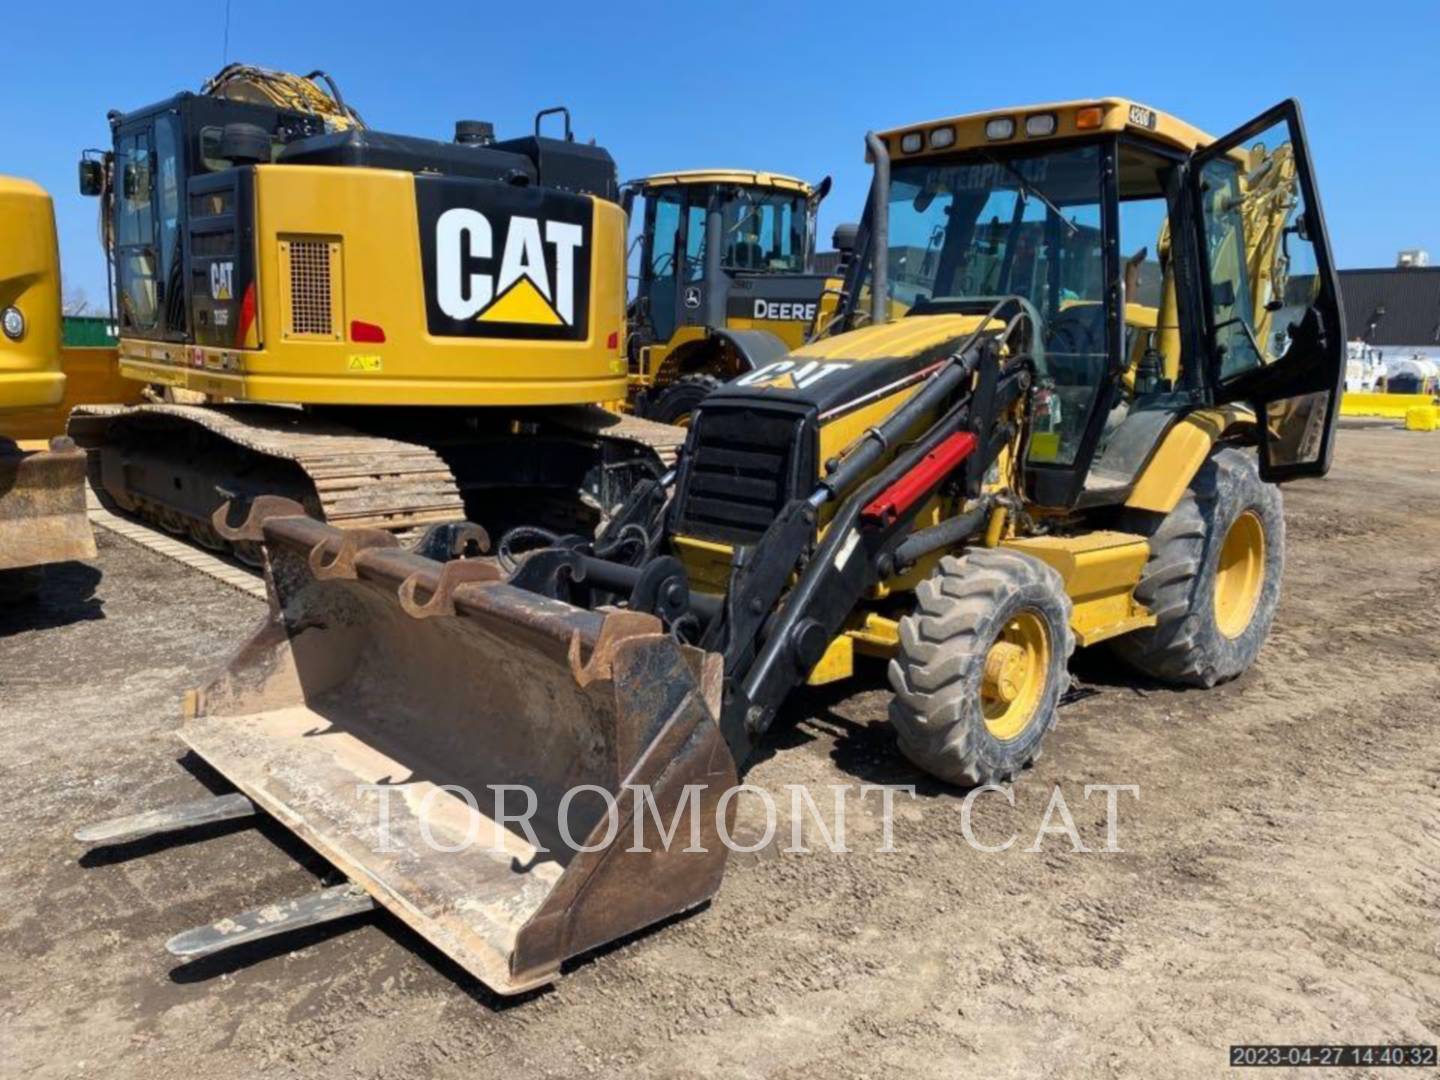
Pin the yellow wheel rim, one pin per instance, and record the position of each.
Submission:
(1240, 577)
(683, 420)
(1016, 668)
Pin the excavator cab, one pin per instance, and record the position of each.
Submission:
(725, 280)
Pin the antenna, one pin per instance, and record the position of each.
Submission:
(225, 48)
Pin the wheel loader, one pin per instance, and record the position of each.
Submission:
(1118, 335)
(726, 281)
(42, 489)
(397, 332)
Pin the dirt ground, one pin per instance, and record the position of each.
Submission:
(1279, 878)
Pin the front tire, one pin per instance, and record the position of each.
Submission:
(982, 665)
(1213, 577)
(677, 402)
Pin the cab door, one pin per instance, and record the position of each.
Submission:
(1276, 333)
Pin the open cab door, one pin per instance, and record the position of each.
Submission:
(1272, 300)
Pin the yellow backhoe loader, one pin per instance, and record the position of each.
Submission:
(726, 281)
(1119, 335)
(396, 332)
(42, 489)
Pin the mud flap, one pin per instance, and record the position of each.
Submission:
(42, 505)
(389, 709)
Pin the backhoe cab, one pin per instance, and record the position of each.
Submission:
(725, 281)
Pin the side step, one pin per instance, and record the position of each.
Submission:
(167, 819)
(339, 902)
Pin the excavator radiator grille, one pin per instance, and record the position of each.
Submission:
(311, 268)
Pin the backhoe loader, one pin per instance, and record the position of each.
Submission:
(42, 489)
(1119, 335)
(396, 332)
(726, 281)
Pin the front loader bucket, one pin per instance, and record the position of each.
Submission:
(385, 687)
(42, 505)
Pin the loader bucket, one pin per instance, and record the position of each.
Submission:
(42, 505)
(382, 675)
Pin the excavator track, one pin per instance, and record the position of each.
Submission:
(172, 464)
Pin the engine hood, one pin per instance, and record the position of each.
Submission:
(841, 370)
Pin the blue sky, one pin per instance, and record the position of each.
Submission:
(785, 86)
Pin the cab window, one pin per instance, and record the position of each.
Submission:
(1262, 265)
(135, 255)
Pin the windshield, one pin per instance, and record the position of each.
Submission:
(765, 231)
(988, 226)
(983, 225)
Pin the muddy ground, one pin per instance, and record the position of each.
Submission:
(1279, 879)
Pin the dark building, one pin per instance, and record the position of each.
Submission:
(1395, 310)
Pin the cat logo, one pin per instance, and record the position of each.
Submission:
(222, 281)
(504, 262)
(787, 375)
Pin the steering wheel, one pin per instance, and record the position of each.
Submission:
(665, 262)
(1078, 329)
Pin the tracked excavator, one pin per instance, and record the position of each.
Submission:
(1078, 349)
(42, 488)
(395, 332)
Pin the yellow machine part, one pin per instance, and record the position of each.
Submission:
(1073, 119)
(366, 220)
(92, 376)
(42, 495)
(30, 374)
(1184, 450)
(1100, 571)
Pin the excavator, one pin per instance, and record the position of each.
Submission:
(726, 281)
(42, 489)
(1078, 349)
(398, 333)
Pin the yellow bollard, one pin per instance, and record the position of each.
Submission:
(1422, 418)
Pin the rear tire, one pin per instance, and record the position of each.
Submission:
(677, 401)
(1213, 577)
(982, 666)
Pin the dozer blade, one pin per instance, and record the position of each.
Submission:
(389, 702)
(42, 506)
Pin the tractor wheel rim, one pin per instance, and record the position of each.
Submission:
(1017, 666)
(1240, 574)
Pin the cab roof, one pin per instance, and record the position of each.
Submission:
(742, 177)
(1072, 119)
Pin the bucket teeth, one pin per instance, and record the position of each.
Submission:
(339, 902)
(452, 575)
(167, 819)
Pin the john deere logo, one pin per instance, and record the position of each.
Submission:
(503, 261)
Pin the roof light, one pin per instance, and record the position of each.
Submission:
(911, 142)
(1001, 127)
(1040, 125)
(1089, 118)
(942, 137)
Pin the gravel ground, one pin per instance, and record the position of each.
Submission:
(1279, 878)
